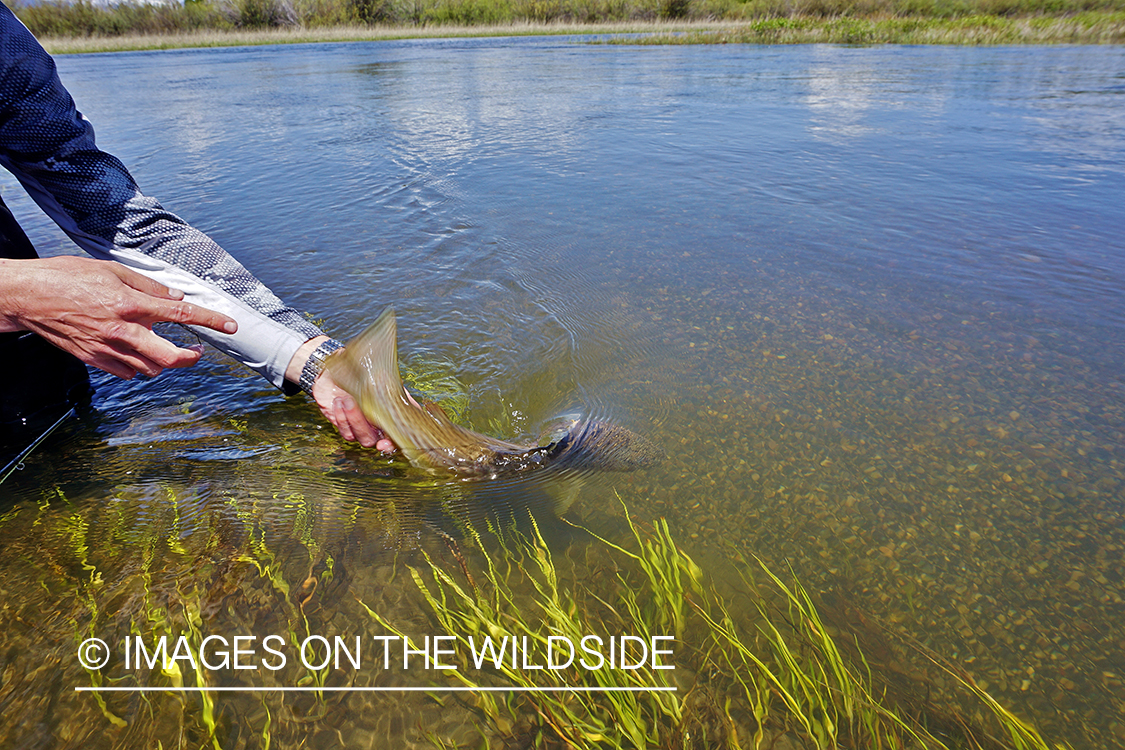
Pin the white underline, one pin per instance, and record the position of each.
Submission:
(452, 689)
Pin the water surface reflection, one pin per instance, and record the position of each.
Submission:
(869, 299)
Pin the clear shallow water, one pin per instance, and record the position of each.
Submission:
(870, 300)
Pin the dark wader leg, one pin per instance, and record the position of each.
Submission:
(39, 383)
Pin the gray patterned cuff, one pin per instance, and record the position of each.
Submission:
(315, 364)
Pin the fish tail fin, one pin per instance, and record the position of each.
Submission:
(438, 414)
(371, 357)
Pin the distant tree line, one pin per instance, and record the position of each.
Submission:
(84, 18)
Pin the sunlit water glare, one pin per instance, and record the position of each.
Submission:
(869, 299)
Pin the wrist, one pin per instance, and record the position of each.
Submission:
(308, 362)
(10, 284)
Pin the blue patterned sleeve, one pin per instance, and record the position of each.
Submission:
(47, 144)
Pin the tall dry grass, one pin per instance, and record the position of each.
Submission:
(82, 18)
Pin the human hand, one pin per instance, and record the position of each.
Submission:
(336, 404)
(343, 412)
(101, 312)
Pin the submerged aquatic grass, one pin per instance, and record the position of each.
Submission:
(754, 663)
(743, 677)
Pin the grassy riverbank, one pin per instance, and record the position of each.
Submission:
(57, 45)
(84, 27)
(1084, 28)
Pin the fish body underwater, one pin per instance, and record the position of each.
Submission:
(367, 368)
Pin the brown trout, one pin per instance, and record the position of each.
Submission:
(367, 368)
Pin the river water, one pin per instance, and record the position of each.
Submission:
(871, 301)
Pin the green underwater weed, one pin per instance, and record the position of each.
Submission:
(795, 659)
(754, 662)
(436, 380)
(76, 527)
(741, 679)
(618, 717)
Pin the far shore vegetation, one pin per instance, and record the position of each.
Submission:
(66, 26)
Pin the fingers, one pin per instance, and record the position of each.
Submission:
(165, 304)
(101, 312)
(113, 366)
(149, 358)
(339, 418)
(345, 415)
(130, 338)
(144, 284)
(188, 314)
(136, 346)
(352, 425)
(155, 353)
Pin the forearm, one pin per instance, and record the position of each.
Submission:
(136, 231)
(50, 148)
(269, 334)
